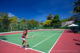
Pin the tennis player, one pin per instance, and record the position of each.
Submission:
(24, 36)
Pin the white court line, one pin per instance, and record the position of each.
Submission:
(10, 32)
(20, 45)
(10, 42)
(37, 50)
(44, 40)
(55, 42)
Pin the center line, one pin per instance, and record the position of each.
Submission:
(43, 41)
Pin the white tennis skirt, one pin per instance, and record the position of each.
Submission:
(23, 39)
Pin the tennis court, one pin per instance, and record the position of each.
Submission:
(42, 40)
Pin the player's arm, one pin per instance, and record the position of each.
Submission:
(27, 36)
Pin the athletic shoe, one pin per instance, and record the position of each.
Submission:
(26, 48)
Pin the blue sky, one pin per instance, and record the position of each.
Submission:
(37, 9)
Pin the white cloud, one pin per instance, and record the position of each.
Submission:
(10, 15)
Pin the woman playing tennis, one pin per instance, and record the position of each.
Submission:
(24, 36)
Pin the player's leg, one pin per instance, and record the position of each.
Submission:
(22, 44)
(25, 44)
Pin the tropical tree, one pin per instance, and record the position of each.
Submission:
(77, 7)
(14, 23)
(23, 20)
(41, 22)
(55, 21)
(64, 20)
(23, 23)
(4, 21)
(71, 18)
(47, 23)
(49, 17)
(14, 19)
(76, 12)
(32, 24)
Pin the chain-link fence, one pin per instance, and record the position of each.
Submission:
(16, 27)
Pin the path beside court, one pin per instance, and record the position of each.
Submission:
(12, 48)
(69, 42)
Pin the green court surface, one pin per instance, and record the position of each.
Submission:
(41, 40)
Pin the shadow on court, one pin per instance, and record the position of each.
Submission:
(3, 38)
(76, 40)
(77, 44)
(70, 31)
(27, 46)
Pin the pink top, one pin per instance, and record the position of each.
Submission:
(24, 34)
